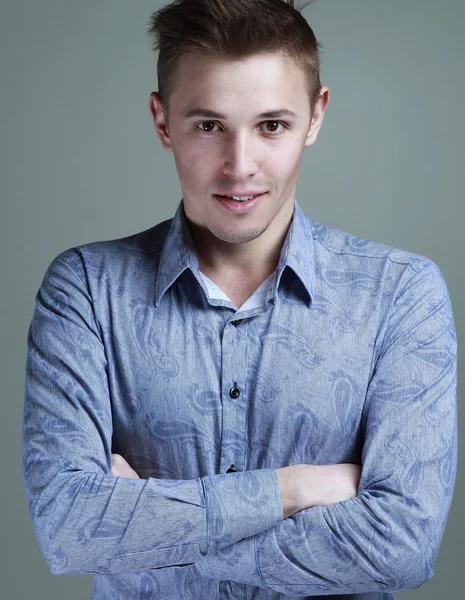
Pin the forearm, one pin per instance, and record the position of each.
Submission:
(96, 523)
(307, 486)
(372, 543)
(301, 486)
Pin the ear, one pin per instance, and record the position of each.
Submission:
(317, 117)
(159, 118)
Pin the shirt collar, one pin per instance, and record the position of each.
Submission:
(178, 254)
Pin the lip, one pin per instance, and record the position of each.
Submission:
(236, 207)
(246, 193)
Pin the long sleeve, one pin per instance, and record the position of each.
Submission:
(386, 539)
(86, 520)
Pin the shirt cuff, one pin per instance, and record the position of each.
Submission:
(240, 505)
(236, 563)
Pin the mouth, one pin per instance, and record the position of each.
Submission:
(239, 206)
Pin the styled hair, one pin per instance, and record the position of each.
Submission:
(232, 29)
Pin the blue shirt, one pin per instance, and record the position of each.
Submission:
(350, 358)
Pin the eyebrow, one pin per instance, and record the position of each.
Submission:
(211, 114)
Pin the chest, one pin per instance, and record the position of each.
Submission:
(194, 391)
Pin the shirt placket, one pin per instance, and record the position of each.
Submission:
(234, 396)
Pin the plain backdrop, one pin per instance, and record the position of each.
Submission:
(80, 162)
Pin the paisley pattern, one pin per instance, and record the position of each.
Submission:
(351, 358)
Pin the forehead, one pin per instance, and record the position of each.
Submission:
(241, 84)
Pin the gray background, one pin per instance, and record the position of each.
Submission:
(80, 162)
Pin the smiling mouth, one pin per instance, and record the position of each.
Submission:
(240, 198)
(239, 206)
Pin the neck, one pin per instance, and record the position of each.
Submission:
(257, 258)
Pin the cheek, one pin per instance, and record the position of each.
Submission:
(194, 169)
(191, 150)
(285, 161)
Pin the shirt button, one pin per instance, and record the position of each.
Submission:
(236, 323)
(234, 392)
(232, 469)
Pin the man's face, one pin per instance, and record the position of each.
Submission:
(224, 143)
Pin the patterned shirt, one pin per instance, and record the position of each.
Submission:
(350, 357)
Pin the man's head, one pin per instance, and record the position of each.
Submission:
(239, 99)
(232, 29)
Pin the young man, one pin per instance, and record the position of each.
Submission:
(240, 402)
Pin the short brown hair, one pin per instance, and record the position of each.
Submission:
(233, 29)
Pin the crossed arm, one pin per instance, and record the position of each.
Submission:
(384, 539)
(301, 486)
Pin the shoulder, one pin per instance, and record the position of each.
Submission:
(345, 262)
(89, 260)
(344, 247)
(384, 268)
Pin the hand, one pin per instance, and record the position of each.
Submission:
(332, 483)
(291, 482)
(306, 486)
(120, 468)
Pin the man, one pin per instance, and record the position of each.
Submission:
(240, 402)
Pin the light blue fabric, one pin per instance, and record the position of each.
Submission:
(351, 360)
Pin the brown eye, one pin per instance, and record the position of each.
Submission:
(206, 126)
(272, 126)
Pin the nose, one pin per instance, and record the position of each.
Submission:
(240, 156)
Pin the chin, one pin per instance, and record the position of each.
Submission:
(239, 235)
